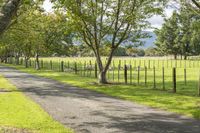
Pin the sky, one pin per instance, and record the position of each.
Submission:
(156, 21)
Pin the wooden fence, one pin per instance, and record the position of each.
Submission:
(155, 73)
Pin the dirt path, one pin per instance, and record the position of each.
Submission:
(90, 112)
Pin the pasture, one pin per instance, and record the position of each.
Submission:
(156, 73)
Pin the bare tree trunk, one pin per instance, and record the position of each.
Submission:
(37, 63)
(26, 61)
(175, 56)
(185, 57)
(7, 12)
(17, 59)
(103, 70)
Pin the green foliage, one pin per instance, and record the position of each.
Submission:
(167, 36)
(151, 52)
(179, 34)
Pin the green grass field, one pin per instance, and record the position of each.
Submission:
(85, 68)
(19, 113)
(185, 101)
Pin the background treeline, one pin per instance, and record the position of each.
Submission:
(179, 35)
(36, 33)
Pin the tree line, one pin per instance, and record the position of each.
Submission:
(99, 26)
(179, 35)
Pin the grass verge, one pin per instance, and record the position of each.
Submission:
(182, 104)
(19, 114)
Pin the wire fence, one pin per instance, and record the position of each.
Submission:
(180, 76)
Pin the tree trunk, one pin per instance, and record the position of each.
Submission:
(185, 57)
(6, 59)
(37, 63)
(175, 56)
(26, 62)
(102, 78)
(7, 12)
(17, 59)
(103, 70)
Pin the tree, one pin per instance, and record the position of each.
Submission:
(58, 35)
(8, 11)
(185, 26)
(168, 36)
(151, 51)
(98, 20)
(190, 5)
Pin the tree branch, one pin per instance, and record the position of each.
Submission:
(196, 3)
(7, 12)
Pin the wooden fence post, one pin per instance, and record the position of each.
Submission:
(185, 76)
(90, 68)
(113, 68)
(145, 79)
(81, 68)
(119, 67)
(163, 77)
(84, 69)
(62, 66)
(75, 68)
(154, 77)
(125, 73)
(199, 86)
(138, 75)
(131, 81)
(51, 65)
(174, 80)
(96, 75)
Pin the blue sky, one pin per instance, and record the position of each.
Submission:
(156, 21)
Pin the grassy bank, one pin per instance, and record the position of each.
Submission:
(180, 103)
(18, 113)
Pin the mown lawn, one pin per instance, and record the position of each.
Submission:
(180, 103)
(19, 113)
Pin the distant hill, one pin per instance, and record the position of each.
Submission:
(149, 42)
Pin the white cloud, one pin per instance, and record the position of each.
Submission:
(157, 20)
(47, 5)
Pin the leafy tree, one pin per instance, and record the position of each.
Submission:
(168, 36)
(58, 35)
(185, 18)
(120, 51)
(98, 20)
(151, 51)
